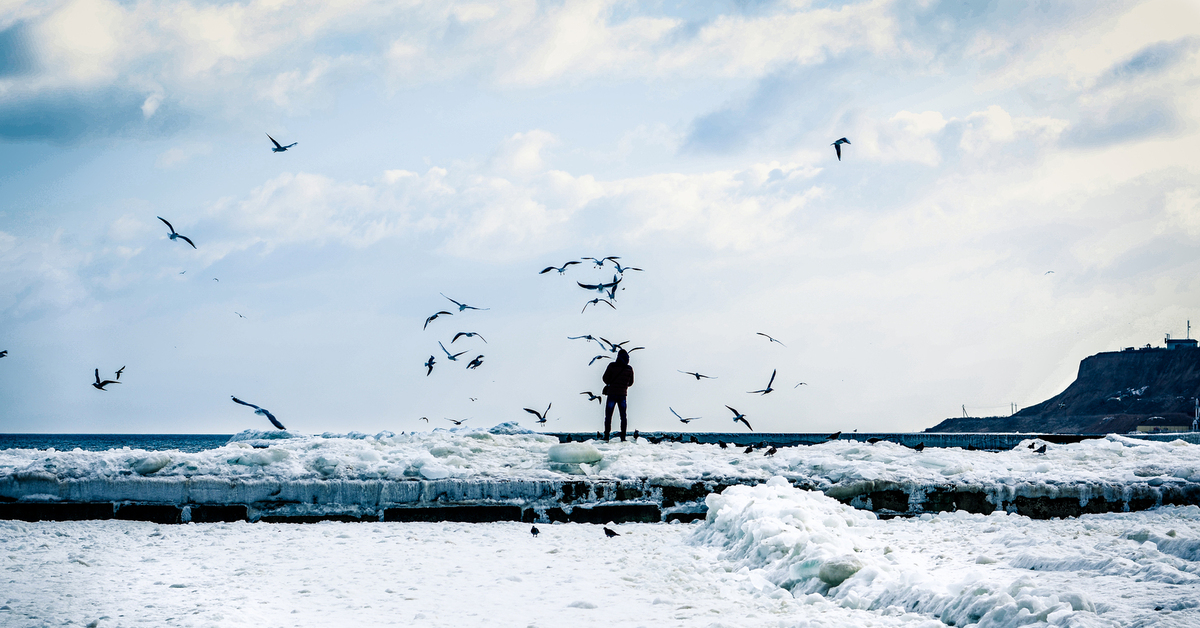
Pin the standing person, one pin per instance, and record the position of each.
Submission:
(618, 377)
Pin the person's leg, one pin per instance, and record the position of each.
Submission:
(624, 420)
(608, 410)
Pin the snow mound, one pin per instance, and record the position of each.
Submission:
(575, 453)
(510, 427)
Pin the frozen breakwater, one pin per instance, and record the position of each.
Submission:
(508, 474)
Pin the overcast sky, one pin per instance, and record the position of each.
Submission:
(1020, 192)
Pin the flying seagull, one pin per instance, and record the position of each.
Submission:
(99, 385)
(240, 314)
(560, 270)
(770, 338)
(834, 436)
(432, 318)
(464, 306)
(174, 235)
(596, 301)
(119, 371)
(696, 375)
(621, 269)
(600, 262)
(768, 388)
(837, 146)
(468, 334)
(279, 148)
(593, 397)
(474, 364)
(450, 356)
(681, 419)
(424, 418)
(261, 411)
(1048, 272)
(738, 416)
(5, 353)
(800, 384)
(429, 365)
(599, 357)
(542, 416)
(458, 421)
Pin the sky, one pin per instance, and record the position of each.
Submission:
(1019, 192)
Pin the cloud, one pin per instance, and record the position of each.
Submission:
(16, 51)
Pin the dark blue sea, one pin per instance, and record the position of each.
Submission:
(101, 442)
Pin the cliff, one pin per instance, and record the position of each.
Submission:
(1112, 393)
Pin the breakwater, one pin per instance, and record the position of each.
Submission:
(986, 441)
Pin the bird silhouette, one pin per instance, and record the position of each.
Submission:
(468, 334)
(560, 270)
(722, 444)
(453, 357)
(99, 385)
(768, 388)
(434, 317)
(261, 412)
(240, 315)
(681, 419)
(458, 421)
(749, 450)
(837, 146)
(279, 148)
(696, 375)
(4, 354)
(424, 418)
(593, 397)
(770, 338)
(597, 301)
(119, 371)
(599, 357)
(1040, 450)
(542, 416)
(635, 435)
(873, 440)
(833, 436)
(534, 531)
(609, 533)
(738, 416)
(429, 365)
(464, 306)
(771, 452)
(474, 364)
(800, 384)
(621, 269)
(600, 261)
(920, 447)
(174, 235)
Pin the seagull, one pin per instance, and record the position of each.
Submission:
(738, 416)
(561, 269)
(600, 262)
(468, 334)
(834, 436)
(449, 356)
(216, 280)
(239, 314)
(261, 412)
(768, 388)
(458, 421)
(424, 418)
(174, 235)
(593, 397)
(183, 272)
(474, 364)
(722, 444)
(119, 371)
(4, 353)
(681, 419)
(772, 451)
(621, 269)
(609, 533)
(588, 337)
(1049, 272)
(696, 375)
(279, 148)
(596, 301)
(542, 416)
(464, 306)
(99, 385)
(599, 357)
(919, 447)
(1040, 450)
(770, 338)
(837, 146)
(432, 318)
(534, 531)
(749, 450)
(800, 384)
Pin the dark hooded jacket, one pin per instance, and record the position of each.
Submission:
(618, 377)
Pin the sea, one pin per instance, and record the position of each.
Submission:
(190, 443)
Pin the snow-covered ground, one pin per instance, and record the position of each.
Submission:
(767, 556)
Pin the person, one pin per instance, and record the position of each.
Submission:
(618, 377)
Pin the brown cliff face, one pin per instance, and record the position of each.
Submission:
(1113, 392)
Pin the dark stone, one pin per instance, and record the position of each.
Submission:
(552, 515)
(463, 514)
(672, 495)
(48, 511)
(218, 514)
(949, 500)
(893, 500)
(155, 513)
(617, 513)
(574, 491)
(1048, 507)
(626, 493)
(315, 518)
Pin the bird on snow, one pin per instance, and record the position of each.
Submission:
(837, 146)
(468, 334)
(458, 421)
(534, 531)
(738, 416)
(722, 444)
(696, 375)
(768, 388)
(749, 450)
(772, 451)
(453, 357)
(434, 317)
(174, 235)
(593, 397)
(474, 364)
(681, 419)
(834, 436)
(609, 533)
(542, 416)
(561, 269)
(599, 357)
(919, 447)
(279, 148)
(873, 440)
(99, 385)
(1040, 450)
(596, 301)
(261, 412)
(770, 338)
(464, 306)
(429, 365)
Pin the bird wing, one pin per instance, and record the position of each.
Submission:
(586, 286)
(236, 400)
(277, 145)
(290, 145)
(569, 263)
(743, 420)
(613, 257)
(735, 412)
(107, 382)
(453, 301)
(675, 413)
(273, 420)
(187, 239)
(455, 356)
(167, 223)
(533, 412)
(772, 378)
(548, 269)
(458, 335)
(97, 376)
(838, 148)
(443, 347)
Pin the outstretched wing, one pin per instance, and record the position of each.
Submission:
(188, 240)
(236, 400)
(675, 413)
(277, 145)
(97, 376)
(838, 149)
(586, 286)
(743, 420)
(271, 417)
(167, 223)
(290, 145)
(772, 378)
(533, 412)
(548, 269)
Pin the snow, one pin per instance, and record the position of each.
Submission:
(769, 555)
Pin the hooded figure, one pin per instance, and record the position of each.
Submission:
(618, 377)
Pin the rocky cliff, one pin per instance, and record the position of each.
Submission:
(1112, 393)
